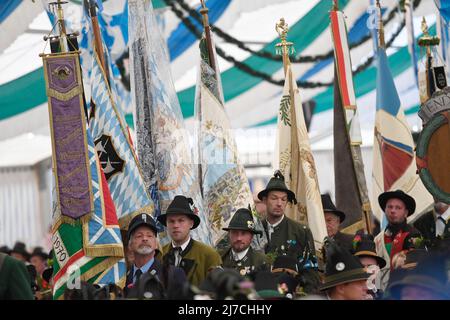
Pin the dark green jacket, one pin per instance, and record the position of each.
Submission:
(197, 260)
(289, 237)
(253, 261)
(344, 240)
(296, 240)
(15, 282)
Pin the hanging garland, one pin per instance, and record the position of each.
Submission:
(249, 70)
(268, 55)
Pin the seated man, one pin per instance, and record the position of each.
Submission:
(240, 255)
(194, 257)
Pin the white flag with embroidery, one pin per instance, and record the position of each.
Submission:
(296, 162)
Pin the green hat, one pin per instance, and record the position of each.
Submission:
(243, 220)
(277, 183)
(181, 205)
(341, 266)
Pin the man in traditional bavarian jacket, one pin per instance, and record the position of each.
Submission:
(286, 236)
(398, 236)
(194, 257)
(240, 255)
(435, 224)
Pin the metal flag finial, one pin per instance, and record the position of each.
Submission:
(381, 42)
(284, 47)
(427, 40)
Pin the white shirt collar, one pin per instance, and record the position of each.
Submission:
(445, 215)
(240, 255)
(276, 223)
(183, 246)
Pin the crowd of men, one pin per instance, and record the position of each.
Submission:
(402, 262)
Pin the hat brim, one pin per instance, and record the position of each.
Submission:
(381, 262)
(344, 278)
(270, 294)
(163, 218)
(265, 192)
(410, 203)
(142, 223)
(340, 214)
(25, 254)
(243, 229)
(419, 281)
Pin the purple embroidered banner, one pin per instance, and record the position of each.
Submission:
(68, 130)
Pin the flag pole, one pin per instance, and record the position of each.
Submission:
(97, 37)
(204, 11)
(356, 157)
(283, 48)
(428, 42)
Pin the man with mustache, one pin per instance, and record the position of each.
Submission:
(240, 256)
(142, 243)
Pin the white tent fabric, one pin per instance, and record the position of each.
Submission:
(21, 215)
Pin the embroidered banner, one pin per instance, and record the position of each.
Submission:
(68, 132)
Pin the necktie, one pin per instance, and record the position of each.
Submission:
(177, 252)
(440, 226)
(271, 230)
(137, 275)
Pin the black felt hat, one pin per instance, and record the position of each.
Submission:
(413, 257)
(364, 246)
(276, 183)
(409, 201)
(243, 220)
(181, 205)
(285, 263)
(139, 220)
(267, 287)
(38, 251)
(5, 249)
(328, 206)
(341, 266)
(20, 248)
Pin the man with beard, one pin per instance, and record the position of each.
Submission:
(142, 242)
(240, 256)
(398, 236)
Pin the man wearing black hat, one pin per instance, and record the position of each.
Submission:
(142, 242)
(333, 220)
(240, 255)
(285, 235)
(364, 249)
(20, 252)
(435, 223)
(398, 235)
(345, 276)
(194, 257)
